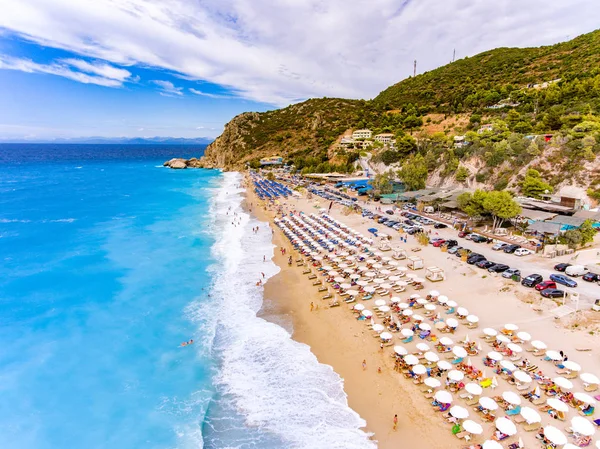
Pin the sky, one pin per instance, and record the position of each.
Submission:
(183, 68)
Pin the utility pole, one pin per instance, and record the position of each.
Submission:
(454, 55)
(415, 69)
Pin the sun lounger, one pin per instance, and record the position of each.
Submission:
(306, 271)
(350, 299)
(317, 283)
(322, 289)
(461, 435)
(518, 419)
(367, 297)
(538, 401)
(531, 427)
(327, 296)
(591, 387)
(472, 401)
(334, 304)
(313, 276)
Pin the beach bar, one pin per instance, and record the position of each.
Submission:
(435, 274)
(415, 263)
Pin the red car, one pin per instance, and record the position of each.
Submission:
(463, 234)
(544, 285)
(439, 243)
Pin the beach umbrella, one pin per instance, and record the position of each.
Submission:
(455, 375)
(414, 296)
(384, 309)
(508, 365)
(422, 301)
(348, 271)
(400, 350)
(411, 359)
(378, 327)
(589, 378)
(555, 436)
(370, 274)
(339, 279)
(407, 312)
(430, 307)
(345, 285)
(512, 398)
(522, 377)
(537, 344)
(352, 292)
(377, 266)
(424, 326)
(386, 336)
(432, 382)
(401, 283)
(380, 302)
(355, 276)
(394, 278)
(407, 332)
(419, 370)
(393, 263)
(367, 313)
(488, 403)
(459, 351)
(572, 366)
(503, 339)
(371, 261)
(564, 384)
(423, 347)
(342, 266)
(411, 276)
(416, 317)
(473, 319)
(490, 332)
(362, 269)
(511, 327)
(491, 444)
(585, 398)
(582, 426)
(451, 322)
(395, 299)
(434, 293)
(440, 325)
(369, 289)
(472, 427)
(462, 311)
(451, 303)
(473, 388)
(530, 415)
(442, 299)
(385, 286)
(379, 281)
(360, 307)
(557, 405)
(385, 272)
(328, 268)
(459, 412)
(431, 357)
(514, 348)
(362, 283)
(443, 397)
(553, 355)
(333, 273)
(523, 336)
(444, 365)
(506, 426)
(446, 341)
(495, 356)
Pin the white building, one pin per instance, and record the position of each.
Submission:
(484, 128)
(362, 134)
(384, 137)
(347, 142)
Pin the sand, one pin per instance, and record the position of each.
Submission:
(339, 340)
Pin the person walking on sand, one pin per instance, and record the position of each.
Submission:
(312, 306)
(395, 422)
(264, 258)
(364, 365)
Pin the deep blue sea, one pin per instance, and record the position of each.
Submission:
(108, 261)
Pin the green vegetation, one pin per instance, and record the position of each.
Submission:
(500, 206)
(382, 183)
(579, 237)
(414, 172)
(533, 185)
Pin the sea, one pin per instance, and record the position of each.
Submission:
(108, 262)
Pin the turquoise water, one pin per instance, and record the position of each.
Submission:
(109, 261)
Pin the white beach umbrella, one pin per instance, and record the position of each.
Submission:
(503, 339)
(407, 332)
(572, 366)
(495, 356)
(462, 311)
(537, 344)
(411, 275)
(342, 266)
(380, 302)
(378, 327)
(423, 347)
(401, 283)
(403, 305)
(431, 357)
(400, 350)
(352, 292)
(514, 348)
(386, 336)
(348, 271)
(369, 289)
(422, 301)
(363, 269)
(379, 280)
(511, 327)
(491, 444)
(429, 307)
(385, 272)
(384, 309)
(451, 322)
(442, 299)
(451, 303)
(370, 274)
(582, 426)
(472, 427)
(333, 273)
(473, 388)
(557, 405)
(415, 296)
(512, 398)
(424, 326)
(393, 263)
(419, 370)
(377, 266)
(394, 278)
(345, 286)
(417, 317)
(506, 426)
(555, 436)
(564, 384)
(553, 355)
(472, 318)
(362, 283)
(385, 286)
(456, 375)
(339, 279)
(589, 378)
(411, 359)
(434, 293)
(432, 382)
(585, 398)
(407, 312)
(418, 280)
(355, 276)
(508, 365)
(446, 341)
(459, 351)
(522, 377)
(443, 397)
(360, 307)
(490, 332)
(444, 365)
(395, 299)
(530, 415)
(459, 412)
(488, 403)
(523, 336)
(367, 313)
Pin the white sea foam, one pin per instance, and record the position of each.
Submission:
(275, 382)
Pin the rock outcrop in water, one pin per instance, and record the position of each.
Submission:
(179, 163)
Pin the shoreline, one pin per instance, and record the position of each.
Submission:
(341, 342)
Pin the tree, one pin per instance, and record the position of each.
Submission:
(533, 149)
(587, 231)
(573, 238)
(412, 121)
(472, 203)
(552, 119)
(414, 172)
(462, 174)
(382, 183)
(522, 128)
(406, 145)
(501, 206)
(533, 185)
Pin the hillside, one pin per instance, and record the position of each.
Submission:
(521, 95)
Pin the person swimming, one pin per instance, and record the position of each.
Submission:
(186, 343)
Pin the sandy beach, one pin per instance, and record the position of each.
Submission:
(339, 340)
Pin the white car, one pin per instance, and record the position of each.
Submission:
(523, 252)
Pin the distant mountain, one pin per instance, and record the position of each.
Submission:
(120, 140)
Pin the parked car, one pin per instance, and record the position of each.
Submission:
(412, 230)
(474, 258)
(382, 220)
(432, 240)
(440, 226)
(564, 280)
(439, 243)
(591, 277)
(552, 293)
(462, 251)
(561, 266)
(545, 284)
(511, 272)
(509, 249)
(485, 264)
(451, 243)
(576, 270)
(389, 212)
(523, 252)
(453, 249)
(463, 234)
(498, 246)
(532, 280)
(498, 268)
(479, 238)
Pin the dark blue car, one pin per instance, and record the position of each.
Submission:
(564, 280)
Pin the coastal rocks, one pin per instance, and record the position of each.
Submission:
(179, 163)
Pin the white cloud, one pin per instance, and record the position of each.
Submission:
(62, 69)
(209, 95)
(277, 52)
(168, 89)
(99, 68)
